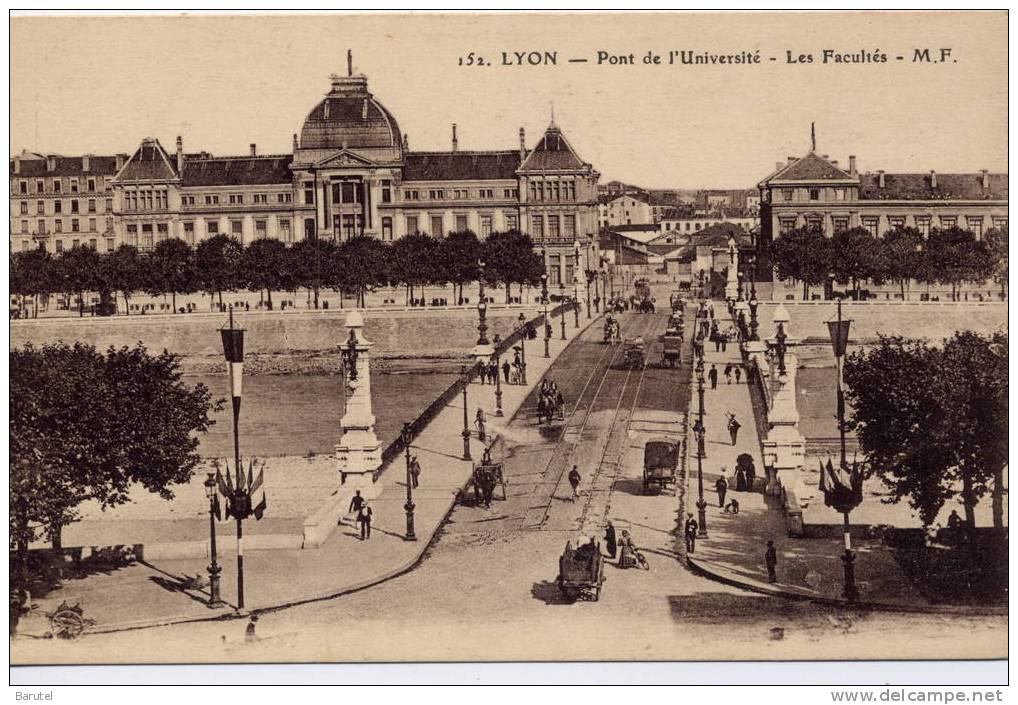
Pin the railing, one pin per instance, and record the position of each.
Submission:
(397, 446)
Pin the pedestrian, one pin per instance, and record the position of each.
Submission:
(364, 519)
(574, 482)
(954, 520)
(732, 507)
(750, 475)
(480, 373)
(505, 370)
(249, 633)
(771, 558)
(415, 472)
(728, 373)
(712, 375)
(738, 373)
(722, 488)
(493, 372)
(691, 528)
(479, 423)
(715, 337)
(356, 502)
(723, 338)
(610, 540)
(733, 427)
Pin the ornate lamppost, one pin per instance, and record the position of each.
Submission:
(562, 315)
(544, 302)
(407, 437)
(753, 322)
(701, 503)
(521, 327)
(576, 284)
(214, 568)
(465, 375)
(239, 504)
(497, 341)
(484, 349)
(842, 488)
(699, 391)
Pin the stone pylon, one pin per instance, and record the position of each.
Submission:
(732, 282)
(784, 448)
(358, 453)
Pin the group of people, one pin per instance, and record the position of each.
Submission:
(721, 338)
(732, 369)
(487, 372)
(621, 546)
(549, 400)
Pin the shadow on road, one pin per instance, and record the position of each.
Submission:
(548, 592)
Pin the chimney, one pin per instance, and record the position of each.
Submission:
(986, 179)
(51, 163)
(180, 154)
(295, 144)
(880, 178)
(254, 150)
(523, 144)
(834, 162)
(933, 179)
(778, 166)
(851, 165)
(17, 165)
(455, 142)
(825, 156)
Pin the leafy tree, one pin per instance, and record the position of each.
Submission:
(415, 262)
(127, 272)
(362, 263)
(78, 272)
(268, 265)
(903, 258)
(311, 257)
(802, 255)
(33, 274)
(855, 256)
(460, 253)
(172, 269)
(88, 426)
(956, 257)
(509, 259)
(996, 241)
(218, 265)
(933, 420)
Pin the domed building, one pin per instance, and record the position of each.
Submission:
(350, 173)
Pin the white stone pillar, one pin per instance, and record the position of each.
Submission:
(358, 453)
(732, 282)
(784, 448)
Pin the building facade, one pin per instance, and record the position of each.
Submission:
(351, 172)
(814, 192)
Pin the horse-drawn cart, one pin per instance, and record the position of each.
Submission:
(635, 354)
(581, 572)
(672, 353)
(660, 463)
(482, 483)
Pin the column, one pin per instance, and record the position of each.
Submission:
(358, 453)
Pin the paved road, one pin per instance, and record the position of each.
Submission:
(486, 587)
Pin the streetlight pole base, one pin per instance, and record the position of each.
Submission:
(215, 602)
(466, 444)
(410, 535)
(850, 593)
(701, 510)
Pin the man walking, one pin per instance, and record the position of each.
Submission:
(574, 482)
(738, 373)
(722, 488)
(691, 528)
(364, 519)
(728, 373)
(356, 502)
(505, 370)
(733, 427)
(712, 375)
(771, 558)
(415, 472)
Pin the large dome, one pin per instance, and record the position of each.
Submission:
(349, 117)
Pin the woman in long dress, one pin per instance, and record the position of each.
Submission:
(627, 552)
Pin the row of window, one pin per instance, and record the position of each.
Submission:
(58, 245)
(73, 205)
(58, 225)
(233, 199)
(552, 226)
(553, 190)
(922, 223)
(461, 223)
(459, 194)
(145, 199)
(73, 185)
(236, 229)
(839, 194)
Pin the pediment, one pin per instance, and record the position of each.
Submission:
(345, 157)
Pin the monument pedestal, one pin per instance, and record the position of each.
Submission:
(358, 453)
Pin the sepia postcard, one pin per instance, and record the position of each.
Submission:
(435, 337)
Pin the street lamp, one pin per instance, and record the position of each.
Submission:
(407, 437)
(214, 567)
(521, 327)
(842, 488)
(239, 504)
(701, 503)
(483, 350)
(562, 314)
(465, 375)
(780, 319)
(498, 376)
(576, 284)
(544, 302)
(753, 323)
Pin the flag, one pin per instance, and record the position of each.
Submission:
(221, 484)
(217, 511)
(250, 472)
(229, 485)
(257, 481)
(260, 508)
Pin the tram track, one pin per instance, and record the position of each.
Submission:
(536, 515)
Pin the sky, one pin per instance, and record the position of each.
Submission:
(99, 84)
